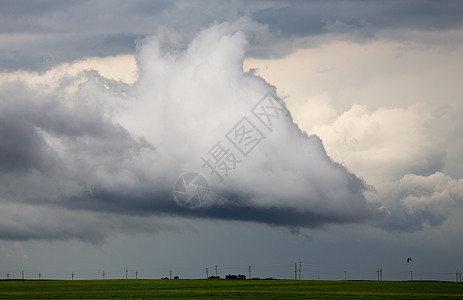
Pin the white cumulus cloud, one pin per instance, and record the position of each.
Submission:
(115, 149)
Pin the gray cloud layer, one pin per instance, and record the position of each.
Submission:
(37, 36)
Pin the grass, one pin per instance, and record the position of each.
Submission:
(227, 289)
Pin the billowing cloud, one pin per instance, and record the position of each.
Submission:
(410, 158)
(427, 191)
(397, 141)
(418, 200)
(108, 154)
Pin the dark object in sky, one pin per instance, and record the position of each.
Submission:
(409, 259)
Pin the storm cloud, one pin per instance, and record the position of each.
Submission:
(107, 155)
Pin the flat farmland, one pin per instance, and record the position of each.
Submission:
(227, 289)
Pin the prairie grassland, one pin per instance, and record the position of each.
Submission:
(227, 289)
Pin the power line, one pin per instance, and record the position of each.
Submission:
(195, 272)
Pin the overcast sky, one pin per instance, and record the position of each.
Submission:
(328, 132)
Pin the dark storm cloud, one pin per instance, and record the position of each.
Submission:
(37, 35)
(44, 51)
(23, 114)
(233, 205)
(298, 19)
(234, 209)
(21, 147)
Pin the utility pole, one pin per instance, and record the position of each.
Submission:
(103, 275)
(7, 276)
(300, 270)
(72, 276)
(136, 274)
(207, 273)
(22, 274)
(345, 275)
(380, 274)
(216, 276)
(125, 273)
(170, 274)
(249, 271)
(40, 276)
(377, 274)
(295, 271)
(411, 275)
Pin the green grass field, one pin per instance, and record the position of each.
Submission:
(227, 289)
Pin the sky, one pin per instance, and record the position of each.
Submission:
(151, 136)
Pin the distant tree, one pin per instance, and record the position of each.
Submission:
(176, 277)
(240, 276)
